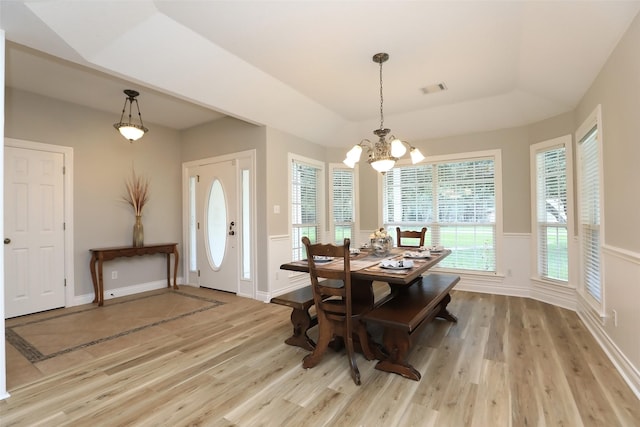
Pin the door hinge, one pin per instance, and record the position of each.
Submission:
(198, 225)
(64, 225)
(198, 273)
(65, 283)
(197, 178)
(64, 170)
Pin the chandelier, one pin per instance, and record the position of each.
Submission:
(130, 130)
(384, 153)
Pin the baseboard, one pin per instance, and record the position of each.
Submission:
(489, 285)
(594, 324)
(554, 294)
(124, 291)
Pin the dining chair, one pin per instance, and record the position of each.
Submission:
(338, 315)
(410, 234)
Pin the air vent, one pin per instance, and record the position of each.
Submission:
(436, 87)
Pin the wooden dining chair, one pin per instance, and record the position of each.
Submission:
(410, 234)
(338, 315)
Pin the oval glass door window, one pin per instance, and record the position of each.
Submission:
(216, 224)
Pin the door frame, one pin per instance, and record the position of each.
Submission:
(246, 287)
(67, 215)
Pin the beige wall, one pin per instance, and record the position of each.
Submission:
(514, 145)
(227, 136)
(102, 161)
(279, 144)
(617, 89)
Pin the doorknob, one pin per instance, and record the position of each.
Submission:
(7, 240)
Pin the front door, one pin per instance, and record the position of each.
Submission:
(217, 226)
(34, 231)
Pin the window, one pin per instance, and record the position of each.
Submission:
(457, 199)
(550, 171)
(306, 203)
(589, 208)
(342, 203)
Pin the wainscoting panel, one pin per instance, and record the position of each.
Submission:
(617, 332)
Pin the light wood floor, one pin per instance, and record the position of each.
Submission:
(507, 362)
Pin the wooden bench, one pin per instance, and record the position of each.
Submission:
(300, 301)
(401, 316)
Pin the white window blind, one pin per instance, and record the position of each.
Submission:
(343, 199)
(590, 213)
(551, 214)
(305, 217)
(456, 201)
(408, 195)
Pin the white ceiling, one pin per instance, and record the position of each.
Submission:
(305, 67)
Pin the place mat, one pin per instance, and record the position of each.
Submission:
(417, 263)
(356, 264)
(58, 334)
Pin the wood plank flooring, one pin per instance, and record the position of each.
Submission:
(507, 362)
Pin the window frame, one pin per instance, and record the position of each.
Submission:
(535, 149)
(496, 156)
(295, 247)
(594, 120)
(356, 201)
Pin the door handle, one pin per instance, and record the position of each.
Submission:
(7, 240)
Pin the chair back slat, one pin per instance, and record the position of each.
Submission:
(410, 234)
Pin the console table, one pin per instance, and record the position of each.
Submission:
(100, 255)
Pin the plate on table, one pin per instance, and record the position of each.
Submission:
(321, 259)
(417, 255)
(396, 265)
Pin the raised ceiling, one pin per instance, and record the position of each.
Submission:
(305, 67)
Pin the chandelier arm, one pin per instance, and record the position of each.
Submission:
(124, 109)
(139, 115)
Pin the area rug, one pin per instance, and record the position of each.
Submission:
(58, 334)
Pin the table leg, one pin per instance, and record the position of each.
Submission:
(94, 279)
(100, 282)
(176, 257)
(168, 270)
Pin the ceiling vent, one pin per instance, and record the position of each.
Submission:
(436, 87)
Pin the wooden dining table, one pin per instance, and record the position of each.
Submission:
(367, 268)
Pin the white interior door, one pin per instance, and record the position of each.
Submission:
(217, 231)
(34, 231)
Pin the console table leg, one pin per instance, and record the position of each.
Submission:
(100, 282)
(176, 257)
(94, 279)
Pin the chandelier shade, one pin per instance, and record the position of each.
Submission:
(384, 153)
(130, 130)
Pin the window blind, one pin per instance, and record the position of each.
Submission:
(304, 207)
(551, 215)
(590, 213)
(408, 194)
(343, 198)
(455, 200)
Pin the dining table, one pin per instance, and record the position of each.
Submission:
(367, 267)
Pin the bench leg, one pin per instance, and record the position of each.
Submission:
(443, 313)
(397, 344)
(301, 323)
